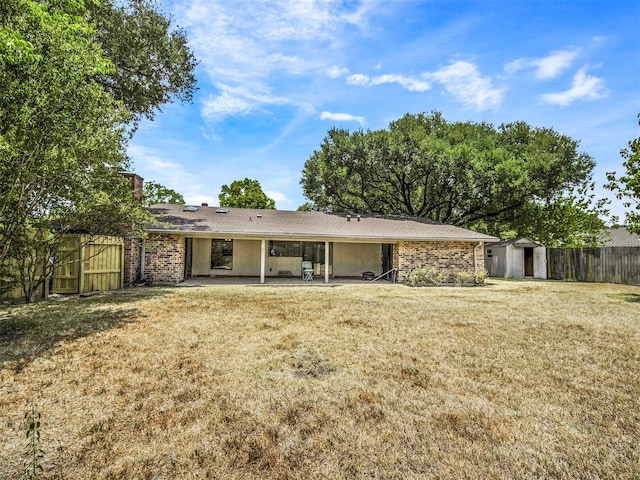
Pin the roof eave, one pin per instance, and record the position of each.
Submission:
(316, 237)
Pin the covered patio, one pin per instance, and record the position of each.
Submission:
(212, 245)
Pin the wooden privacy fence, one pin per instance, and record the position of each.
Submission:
(602, 265)
(85, 264)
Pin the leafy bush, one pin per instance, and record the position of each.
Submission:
(427, 275)
(463, 276)
(481, 276)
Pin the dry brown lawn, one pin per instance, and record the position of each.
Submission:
(516, 380)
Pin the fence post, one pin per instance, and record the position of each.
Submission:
(121, 264)
(81, 265)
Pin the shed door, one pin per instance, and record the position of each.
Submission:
(528, 262)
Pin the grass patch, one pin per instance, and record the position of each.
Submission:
(516, 380)
(29, 331)
(628, 297)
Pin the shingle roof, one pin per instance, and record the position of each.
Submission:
(303, 225)
(517, 242)
(619, 237)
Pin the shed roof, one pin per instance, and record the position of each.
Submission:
(516, 242)
(283, 224)
(619, 237)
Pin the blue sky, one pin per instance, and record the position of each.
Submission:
(276, 75)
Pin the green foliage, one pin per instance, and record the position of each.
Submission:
(423, 276)
(470, 277)
(307, 207)
(152, 60)
(466, 174)
(33, 452)
(627, 186)
(154, 193)
(569, 220)
(481, 276)
(462, 277)
(245, 193)
(62, 140)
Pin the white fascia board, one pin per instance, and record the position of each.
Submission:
(312, 238)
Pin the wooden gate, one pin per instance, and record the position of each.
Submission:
(88, 264)
(67, 260)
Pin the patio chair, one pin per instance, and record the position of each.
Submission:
(307, 272)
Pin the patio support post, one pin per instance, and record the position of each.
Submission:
(263, 253)
(326, 262)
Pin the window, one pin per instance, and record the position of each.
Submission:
(285, 249)
(489, 253)
(221, 254)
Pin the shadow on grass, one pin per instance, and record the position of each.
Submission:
(628, 297)
(29, 331)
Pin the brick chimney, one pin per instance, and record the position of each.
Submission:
(137, 183)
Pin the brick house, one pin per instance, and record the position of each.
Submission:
(194, 241)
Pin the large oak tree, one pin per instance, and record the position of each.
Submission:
(74, 77)
(152, 61)
(515, 179)
(245, 193)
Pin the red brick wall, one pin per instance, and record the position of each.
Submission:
(164, 258)
(137, 185)
(131, 261)
(448, 256)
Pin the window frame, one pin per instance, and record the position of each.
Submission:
(222, 249)
(285, 248)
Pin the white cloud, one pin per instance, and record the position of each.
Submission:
(238, 101)
(150, 165)
(224, 105)
(411, 84)
(341, 117)
(461, 79)
(464, 82)
(545, 67)
(337, 72)
(245, 48)
(358, 79)
(583, 87)
(277, 196)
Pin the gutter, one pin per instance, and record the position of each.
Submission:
(475, 258)
(314, 237)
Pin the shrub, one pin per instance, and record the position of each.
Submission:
(427, 275)
(463, 276)
(481, 277)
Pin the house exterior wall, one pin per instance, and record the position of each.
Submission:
(274, 265)
(246, 258)
(164, 258)
(351, 259)
(201, 257)
(132, 261)
(448, 256)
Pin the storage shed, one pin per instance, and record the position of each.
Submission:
(516, 258)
